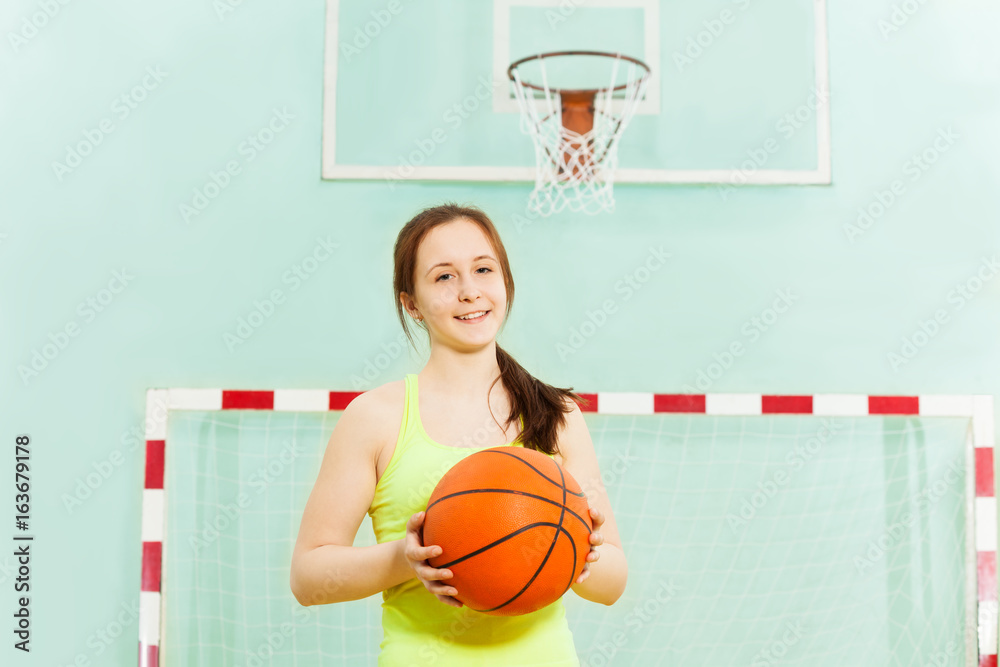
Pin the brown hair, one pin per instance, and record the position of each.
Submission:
(541, 405)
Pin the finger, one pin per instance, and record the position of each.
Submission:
(428, 573)
(414, 529)
(415, 521)
(443, 589)
(439, 588)
(418, 553)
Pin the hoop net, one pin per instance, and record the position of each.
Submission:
(576, 169)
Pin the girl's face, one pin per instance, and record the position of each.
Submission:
(457, 274)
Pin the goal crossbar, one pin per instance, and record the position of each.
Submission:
(981, 511)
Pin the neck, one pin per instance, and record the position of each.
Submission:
(463, 376)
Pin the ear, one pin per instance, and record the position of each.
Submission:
(407, 302)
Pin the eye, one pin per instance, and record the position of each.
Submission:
(438, 279)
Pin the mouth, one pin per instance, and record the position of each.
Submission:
(473, 320)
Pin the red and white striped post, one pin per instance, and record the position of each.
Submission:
(982, 517)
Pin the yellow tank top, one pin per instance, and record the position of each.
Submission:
(418, 628)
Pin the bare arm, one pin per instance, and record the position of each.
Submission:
(609, 571)
(326, 568)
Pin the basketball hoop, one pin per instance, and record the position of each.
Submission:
(576, 141)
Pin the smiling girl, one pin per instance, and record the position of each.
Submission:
(392, 444)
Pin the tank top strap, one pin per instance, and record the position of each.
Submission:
(408, 430)
(405, 438)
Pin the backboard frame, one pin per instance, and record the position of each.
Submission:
(332, 170)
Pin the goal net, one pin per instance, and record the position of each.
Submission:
(751, 540)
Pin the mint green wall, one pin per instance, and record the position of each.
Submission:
(63, 239)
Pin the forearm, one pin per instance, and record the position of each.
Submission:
(607, 578)
(333, 573)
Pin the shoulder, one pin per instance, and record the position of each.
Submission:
(378, 412)
(573, 435)
(574, 415)
(579, 457)
(375, 402)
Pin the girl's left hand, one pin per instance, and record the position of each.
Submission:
(596, 540)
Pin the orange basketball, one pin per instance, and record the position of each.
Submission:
(514, 529)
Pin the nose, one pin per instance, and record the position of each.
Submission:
(468, 291)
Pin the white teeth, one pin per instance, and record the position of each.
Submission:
(473, 315)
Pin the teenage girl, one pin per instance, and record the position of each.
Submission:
(394, 443)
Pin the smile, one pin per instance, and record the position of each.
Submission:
(480, 316)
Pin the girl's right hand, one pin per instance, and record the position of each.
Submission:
(417, 555)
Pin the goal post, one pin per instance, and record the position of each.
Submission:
(811, 528)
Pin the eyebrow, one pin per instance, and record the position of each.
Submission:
(476, 259)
